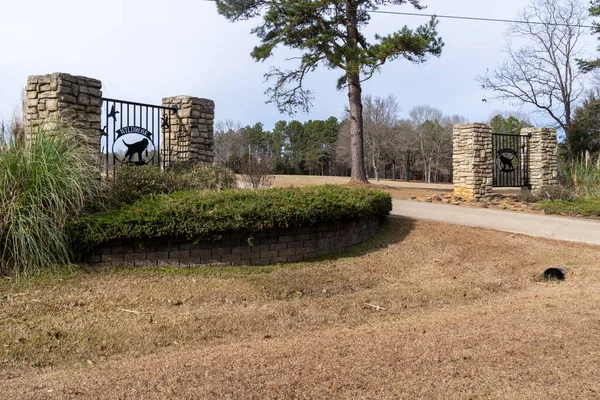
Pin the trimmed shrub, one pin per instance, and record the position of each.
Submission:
(133, 183)
(191, 213)
(213, 177)
(44, 183)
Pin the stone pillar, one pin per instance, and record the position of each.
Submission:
(472, 160)
(63, 98)
(190, 136)
(543, 158)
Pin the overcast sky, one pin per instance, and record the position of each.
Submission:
(143, 50)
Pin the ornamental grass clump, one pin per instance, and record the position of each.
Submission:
(585, 178)
(44, 183)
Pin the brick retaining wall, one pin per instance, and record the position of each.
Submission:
(267, 247)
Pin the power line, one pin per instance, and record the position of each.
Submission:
(462, 17)
(477, 18)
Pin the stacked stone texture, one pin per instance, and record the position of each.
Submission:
(233, 248)
(543, 158)
(191, 132)
(472, 160)
(63, 98)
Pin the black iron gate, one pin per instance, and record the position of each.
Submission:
(511, 160)
(135, 134)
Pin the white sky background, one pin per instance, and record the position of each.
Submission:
(143, 50)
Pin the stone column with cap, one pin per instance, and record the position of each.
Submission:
(61, 98)
(543, 158)
(190, 136)
(472, 160)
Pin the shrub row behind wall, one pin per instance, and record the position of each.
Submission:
(234, 248)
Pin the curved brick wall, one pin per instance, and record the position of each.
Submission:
(268, 247)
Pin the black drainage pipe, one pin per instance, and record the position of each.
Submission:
(552, 274)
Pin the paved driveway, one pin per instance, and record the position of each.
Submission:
(560, 228)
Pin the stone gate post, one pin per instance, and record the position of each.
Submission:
(543, 158)
(191, 133)
(63, 98)
(472, 160)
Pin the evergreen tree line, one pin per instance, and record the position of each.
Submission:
(586, 127)
(291, 148)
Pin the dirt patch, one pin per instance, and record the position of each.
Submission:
(463, 314)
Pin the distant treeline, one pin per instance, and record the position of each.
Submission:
(418, 148)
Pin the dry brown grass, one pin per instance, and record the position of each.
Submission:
(397, 189)
(466, 317)
(402, 190)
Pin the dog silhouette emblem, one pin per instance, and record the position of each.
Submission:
(136, 148)
(507, 163)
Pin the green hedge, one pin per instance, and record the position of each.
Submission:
(209, 213)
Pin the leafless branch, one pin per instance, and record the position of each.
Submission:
(541, 73)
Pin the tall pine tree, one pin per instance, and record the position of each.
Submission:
(590, 65)
(328, 32)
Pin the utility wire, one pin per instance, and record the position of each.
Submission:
(477, 18)
(462, 17)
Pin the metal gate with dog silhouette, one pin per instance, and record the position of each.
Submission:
(511, 160)
(135, 133)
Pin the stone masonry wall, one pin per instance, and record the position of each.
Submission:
(472, 160)
(64, 98)
(191, 132)
(268, 247)
(543, 158)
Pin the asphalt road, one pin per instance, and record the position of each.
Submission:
(551, 227)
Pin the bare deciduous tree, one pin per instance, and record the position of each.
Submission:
(408, 147)
(342, 145)
(257, 172)
(379, 116)
(430, 135)
(402, 149)
(230, 142)
(543, 72)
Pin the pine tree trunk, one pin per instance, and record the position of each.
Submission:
(355, 96)
(356, 130)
